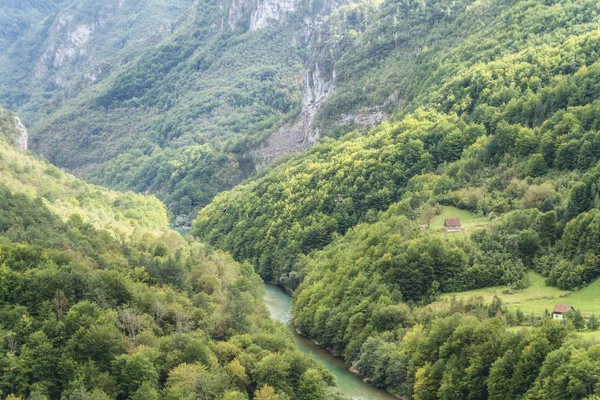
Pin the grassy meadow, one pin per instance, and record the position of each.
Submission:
(469, 222)
(538, 297)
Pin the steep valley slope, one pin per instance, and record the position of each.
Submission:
(100, 299)
(499, 124)
(323, 144)
(230, 87)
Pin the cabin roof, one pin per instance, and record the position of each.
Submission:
(452, 222)
(562, 308)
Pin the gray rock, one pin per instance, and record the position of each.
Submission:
(22, 135)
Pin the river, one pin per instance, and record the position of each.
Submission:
(279, 304)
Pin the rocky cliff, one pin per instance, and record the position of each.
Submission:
(22, 136)
(267, 11)
(259, 13)
(12, 130)
(320, 31)
(250, 78)
(69, 41)
(300, 134)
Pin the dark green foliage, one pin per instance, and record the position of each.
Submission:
(593, 324)
(186, 179)
(290, 210)
(18, 16)
(497, 115)
(57, 46)
(182, 115)
(463, 357)
(581, 265)
(208, 82)
(502, 121)
(28, 220)
(576, 319)
(372, 171)
(83, 315)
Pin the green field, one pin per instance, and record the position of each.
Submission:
(469, 222)
(539, 297)
(593, 336)
(590, 335)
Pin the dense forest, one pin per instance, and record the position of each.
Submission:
(516, 133)
(124, 214)
(16, 17)
(52, 49)
(491, 114)
(129, 310)
(173, 115)
(505, 128)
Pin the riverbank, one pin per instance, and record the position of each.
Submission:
(279, 304)
(350, 367)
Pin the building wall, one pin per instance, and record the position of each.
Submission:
(452, 228)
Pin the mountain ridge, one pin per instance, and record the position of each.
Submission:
(276, 110)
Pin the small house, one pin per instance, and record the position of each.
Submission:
(560, 310)
(452, 224)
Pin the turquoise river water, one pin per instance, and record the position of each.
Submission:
(279, 304)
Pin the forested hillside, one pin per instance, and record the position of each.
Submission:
(491, 115)
(522, 123)
(232, 86)
(108, 303)
(499, 119)
(51, 50)
(16, 17)
(124, 214)
(194, 109)
(179, 118)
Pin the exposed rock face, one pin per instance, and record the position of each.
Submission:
(270, 10)
(22, 135)
(12, 130)
(301, 134)
(319, 80)
(73, 47)
(317, 88)
(76, 36)
(237, 10)
(63, 45)
(318, 83)
(261, 13)
(364, 117)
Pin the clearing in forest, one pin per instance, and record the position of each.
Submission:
(538, 297)
(468, 221)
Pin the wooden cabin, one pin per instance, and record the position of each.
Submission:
(452, 224)
(560, 310)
